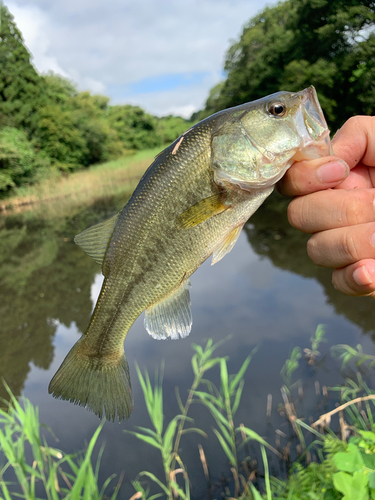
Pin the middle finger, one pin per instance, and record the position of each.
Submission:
(333, 208)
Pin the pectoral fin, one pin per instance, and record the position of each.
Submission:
(171, 318)
(94, 240)
(203, 210)
(226, 245)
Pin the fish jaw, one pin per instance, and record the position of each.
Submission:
(312, 128)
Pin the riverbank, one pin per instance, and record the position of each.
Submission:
(108, 179)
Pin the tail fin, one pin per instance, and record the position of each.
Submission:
(101, 385)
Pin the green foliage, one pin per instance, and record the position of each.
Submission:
(56, 134)
(316, 340)
(21, 88)
(347, 472)
(135, 128)
(297, 43)
(170, 127)
(348, 353)
(56, 472)
(346, 469)
(67, 129)
(19, 162)
(168, 441)
(291, 365)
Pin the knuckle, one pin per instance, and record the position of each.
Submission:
(349, 247)
(336, 281)
(352, 121)
(353, 209)
(341, 284)
(296, 213)
(355, 206)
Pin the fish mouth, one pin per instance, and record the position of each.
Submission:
(311, 127)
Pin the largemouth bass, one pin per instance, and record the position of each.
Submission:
(190, 204)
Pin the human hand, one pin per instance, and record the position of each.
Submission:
(341, 219)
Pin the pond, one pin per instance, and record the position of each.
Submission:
(266, 294)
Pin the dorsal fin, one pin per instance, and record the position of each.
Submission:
(94, 240)
(171, 318)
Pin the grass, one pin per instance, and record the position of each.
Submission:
(327, 465)
(112, 178)
(48, 473)
(332, 461)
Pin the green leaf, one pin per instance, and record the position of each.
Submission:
(179, 402)
(226, 449)
(146, 430)
(147, 439)
(266, 472)
(194, 365)
(369, 435)
(216, 413)
(237, 399)
(353, 487)
(169, 435)
(224, 379)
(241, 373)
(194, 429)
(210, 364)
(255, 493)
(349, 461)
(371, 480)
(253, 435)
(155, 479)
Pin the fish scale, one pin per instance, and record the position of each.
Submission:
(190, 204)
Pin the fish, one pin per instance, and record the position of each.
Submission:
(191, 203)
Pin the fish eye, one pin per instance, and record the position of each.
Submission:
(277, 108)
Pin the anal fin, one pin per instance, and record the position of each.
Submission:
(226, 244)
(171, 318)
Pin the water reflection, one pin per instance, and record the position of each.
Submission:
(271, 236)
(267, 294)
(45, 279)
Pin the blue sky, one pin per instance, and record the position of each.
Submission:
(163, 55)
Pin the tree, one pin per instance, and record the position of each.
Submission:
(46, 123)
(326, 43)
(135, 128)
(21, 88)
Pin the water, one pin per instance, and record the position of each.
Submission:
(265, 293)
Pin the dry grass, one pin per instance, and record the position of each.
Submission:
(113, 178)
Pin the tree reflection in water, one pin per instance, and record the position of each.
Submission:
(46, 279)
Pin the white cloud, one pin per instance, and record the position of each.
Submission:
(32, 22)
(98, 43)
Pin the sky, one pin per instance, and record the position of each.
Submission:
(163, 55)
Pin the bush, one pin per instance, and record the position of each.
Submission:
(19, 163)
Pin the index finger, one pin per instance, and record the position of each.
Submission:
(355, 141)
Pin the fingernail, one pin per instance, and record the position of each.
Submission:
(334, 171)
(362, 277)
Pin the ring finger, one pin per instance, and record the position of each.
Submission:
(340, 247)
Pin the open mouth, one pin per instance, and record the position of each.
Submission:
(312, 128)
